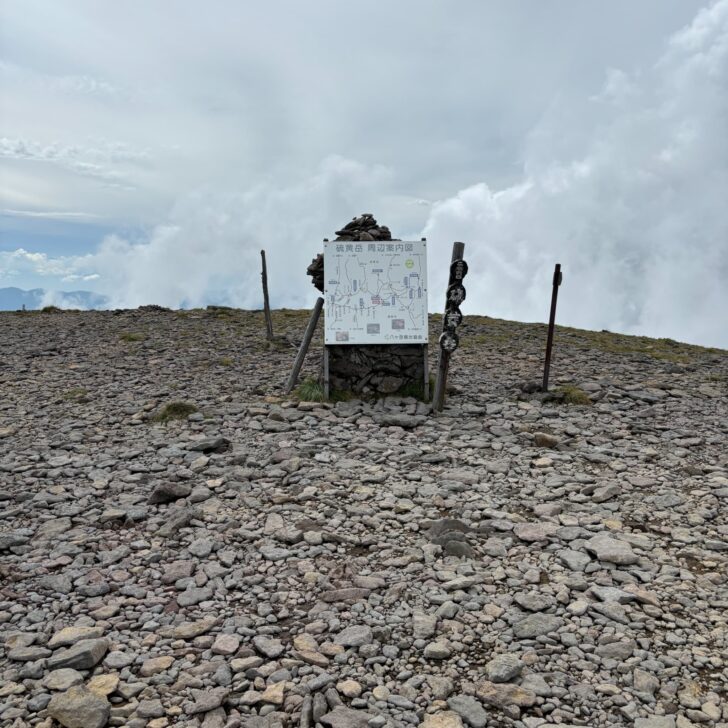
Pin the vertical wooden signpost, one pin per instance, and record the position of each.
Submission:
(266, 302)
(558, 277)
(452, 318)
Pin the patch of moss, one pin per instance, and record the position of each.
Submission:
(132, 336)
(664, 349)
(226, 361)
(174, 411)
(224, 313)
(77, 394)
(717, 377)
(477, 341)
(573, 395)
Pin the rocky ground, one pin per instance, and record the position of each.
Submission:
(266, 561)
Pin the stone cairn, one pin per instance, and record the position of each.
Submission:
(371, 369)
(363, 227)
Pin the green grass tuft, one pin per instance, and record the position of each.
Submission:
(132, 336)
(174, 411)
(573, 394)
(310, 390)
(51, 309)
(77, 394)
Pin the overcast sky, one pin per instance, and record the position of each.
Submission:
(150, 149)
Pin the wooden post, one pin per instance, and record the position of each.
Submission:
(426, 359)
(438, 398)
(426, 367)
(552, 318)
(327, 384)
(303, 349)
(266, 303)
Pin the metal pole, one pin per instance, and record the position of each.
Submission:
(266, 303)
(552, 319)
(303, 349)
(438, 398)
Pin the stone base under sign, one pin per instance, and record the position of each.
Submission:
(377, 369)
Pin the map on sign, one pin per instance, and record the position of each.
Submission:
(375, 292)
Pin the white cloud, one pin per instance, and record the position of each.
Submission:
(637, 216)
(210, 248)
(532, 133)
(52, 214)
(22, 262)
(83, 85)
(103, 163)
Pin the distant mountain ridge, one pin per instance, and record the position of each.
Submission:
(13, 299)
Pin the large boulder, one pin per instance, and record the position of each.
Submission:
(78, 707)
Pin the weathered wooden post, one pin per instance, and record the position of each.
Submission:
(558, 277)
(266, 302)
(450, 321)
(308, 335)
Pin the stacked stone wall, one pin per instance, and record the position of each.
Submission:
(376, 369)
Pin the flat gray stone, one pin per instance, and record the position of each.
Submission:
(348, 594)
(82, 656)
(354, 636)
(617, 650)
(503, 668)
(117, 660)
(534, 602)
(423, 625)
(62, 679)
(194, 595)
(205, 700)
(611, 550)
(469, 709)
(201, 547)
(505, 695)
(341, 717)
(537, 625)
(71, 635)
(655, 721)
(31, 653)
(78, 707)
(268, 646)
(574, 560)
(168, 492)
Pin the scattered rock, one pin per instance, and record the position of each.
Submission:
(505, 695)
(354, 636)
(168, 492)
(81, 656)
(78, 707)
(341, 717)
(308, 554)
(503, 668)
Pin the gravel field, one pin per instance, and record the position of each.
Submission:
(181, 544)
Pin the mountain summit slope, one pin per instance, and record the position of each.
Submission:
(174, 523)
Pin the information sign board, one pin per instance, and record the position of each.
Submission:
(375, 292)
